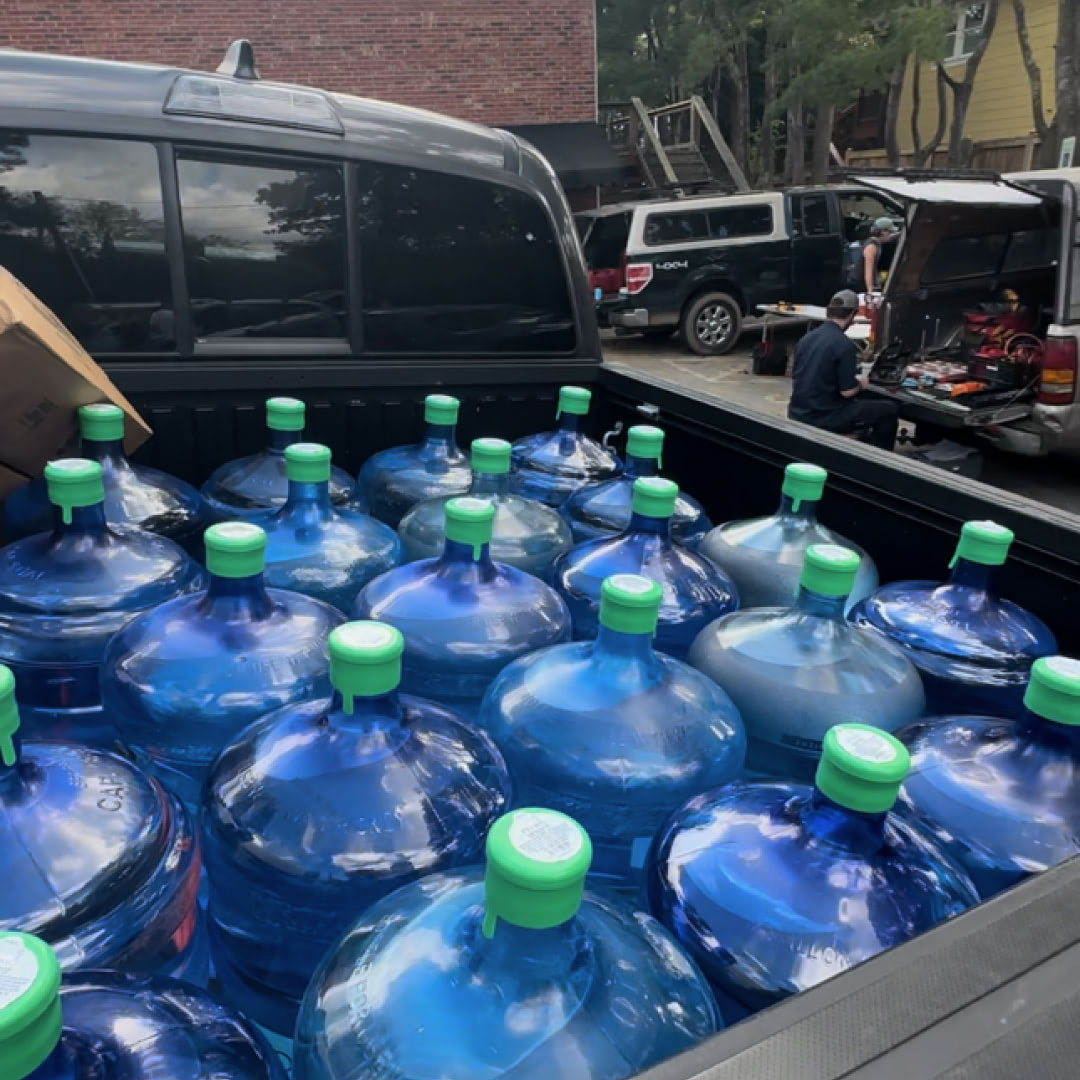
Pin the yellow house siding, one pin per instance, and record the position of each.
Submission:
(1001, 100)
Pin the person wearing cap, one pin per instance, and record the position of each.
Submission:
(881, 232)
(826, 381)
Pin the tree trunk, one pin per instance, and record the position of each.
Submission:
(739, 121)
(1067, 74)
(892, 113)
(766, 143)
(923, 155)
(795, 156)
(823, 125)
(962, 89)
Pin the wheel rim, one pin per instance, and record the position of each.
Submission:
(713, 325)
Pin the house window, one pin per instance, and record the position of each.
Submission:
(964, 35)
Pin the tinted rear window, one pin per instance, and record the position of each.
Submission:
(605, 245)
(717, 223)
(964, 256)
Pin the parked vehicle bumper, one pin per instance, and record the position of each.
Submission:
(630, 318)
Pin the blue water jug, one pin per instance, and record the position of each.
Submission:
(393, 481)
(553, 465)
(64, 593)
(695, 590)
(795, 673)
(774, 887)
(182, 680)
(239, 489)
(134, 494)
(512, 973)
(464, 616)
(973, 650)
(525, 533)
(94, 857)
(1003, 796)
(104, 1025)
(318, 549)
(604, 509)
(320, 809)
(613, 732)
(764, 556)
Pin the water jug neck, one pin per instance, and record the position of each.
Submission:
(533, 957)
(972, 575)
(308, 500)
(371, 715)
(807, 508)
(569, 422)
(641, 466)
(439, 437)
(653, 526)
(1051, 733)
(86, 521)
(109, 451)
(457, 554)
(279, 440)
(838, 826)
(9, 760)
(821, 606)
(625, 647)
(239, 599)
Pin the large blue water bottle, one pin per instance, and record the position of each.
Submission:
(604, 508)
(393, 481)
(511, 973)
(183, 679)
(64, 593)
(95, 858)
(104, 1025)
(464, 616)
(240, 489)
(525, 533)
(774, 887)
(695, 590)
(320, 809)
(313, 547)
(1003, 796)
(553, 465)
(613, 732)
(973, 649)
(134, 494)
(764, 556)
(795, 673)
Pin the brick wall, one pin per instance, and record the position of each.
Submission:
(529, 61)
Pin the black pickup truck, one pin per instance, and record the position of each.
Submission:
(249, 239)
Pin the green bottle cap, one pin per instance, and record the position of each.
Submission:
(469, 521)
(536, 866)
(74, 482)
(235, 549)
(307, 463)
(285, 414)
(804, 483)
(984, 542)
(654, 496)
(630, 604)
(9, 716)
(645, 441)
(441, 409)
(365, 660)
(101, 423)
(30, 1020)
(829, 569)
(862, 767)
(1054, 690)
(573, 399)
(490, 456)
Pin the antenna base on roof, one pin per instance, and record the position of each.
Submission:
(239, 61)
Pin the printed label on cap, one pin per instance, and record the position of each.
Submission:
(545, 837)
(634, 584)
(1063, 665)
(18, 970)
(365, 636)
(867, 746)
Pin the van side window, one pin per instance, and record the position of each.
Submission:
(958, 257)
(82, 226)
(264, 249)
(678, 228)
(457, 265)
(733, 222)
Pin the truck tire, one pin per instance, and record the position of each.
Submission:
(711, 324)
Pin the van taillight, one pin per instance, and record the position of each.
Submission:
(638, 275)
(1057, 381)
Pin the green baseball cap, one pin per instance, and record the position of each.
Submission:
(469, 521)
(30, 1019)
(308, 463)
(1054, 690)
(630, 603)
(9, 715)
(645, 441)
(829, 569)
(984, 542)
(804, 482)
(235, 549)
(573, 399)
(862, 767)
(74, 482)
(654, 496)
(490, 456)
(285, 414)
(441, 409)
(536, 866)
(365, 660)
(101, 423)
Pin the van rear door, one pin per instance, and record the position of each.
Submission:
(604, 237)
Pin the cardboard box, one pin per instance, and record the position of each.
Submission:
(45, 375)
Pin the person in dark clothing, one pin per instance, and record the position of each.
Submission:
(826, 382)
(881, 233)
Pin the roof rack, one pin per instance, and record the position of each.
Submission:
(239, 61)
(916, 175)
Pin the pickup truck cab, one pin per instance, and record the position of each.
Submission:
(702, 265)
